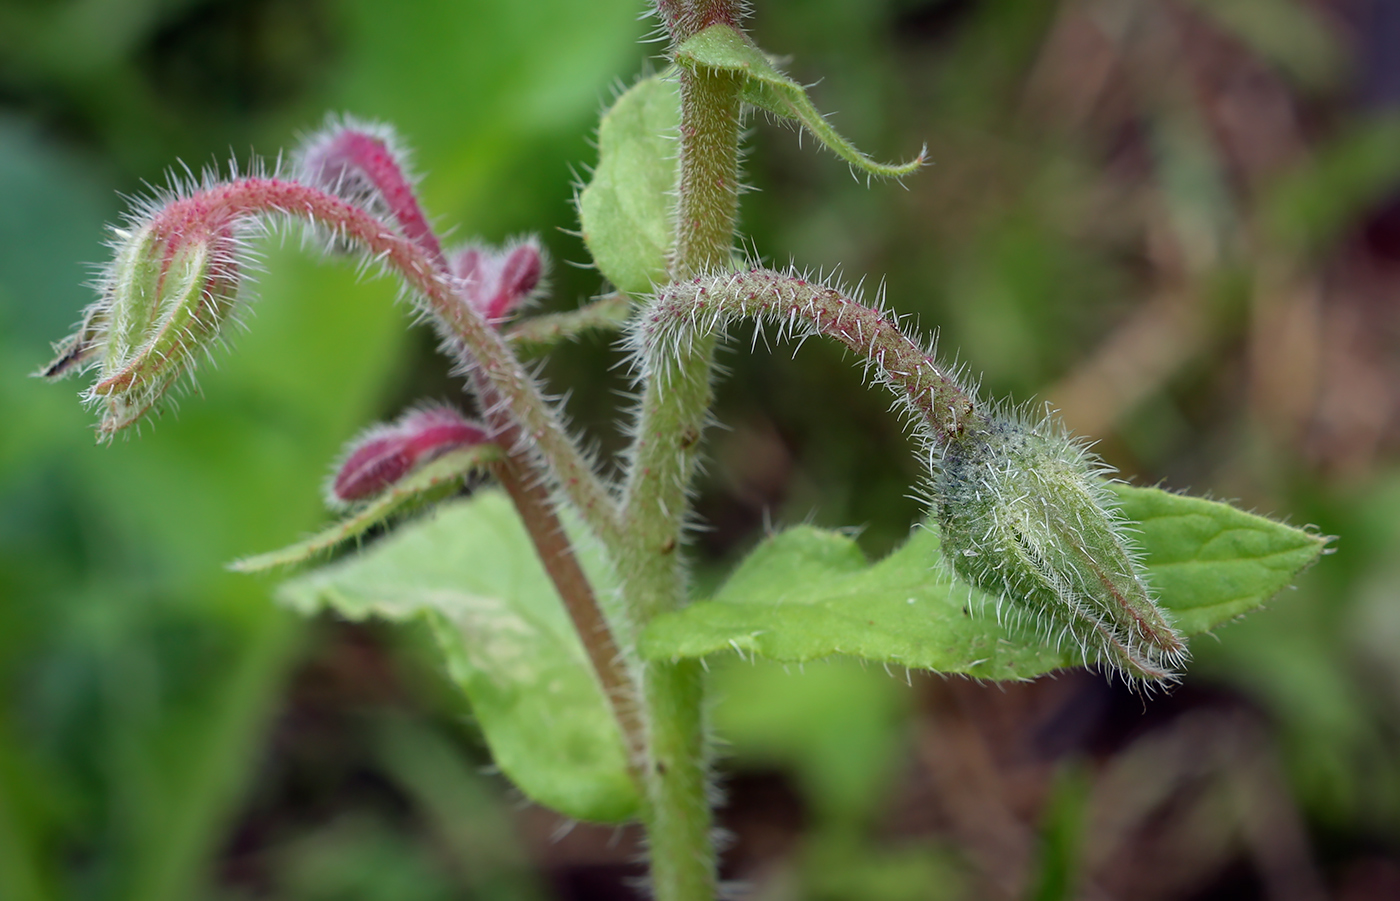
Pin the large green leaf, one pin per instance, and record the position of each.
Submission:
(625, 211)
(471, 572)
(807, 593)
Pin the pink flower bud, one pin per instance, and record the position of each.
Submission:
(386, 453)
(363, 164)
(498, 282)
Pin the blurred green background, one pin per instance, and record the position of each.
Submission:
(1176, 220)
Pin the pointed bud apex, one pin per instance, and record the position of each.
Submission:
(170, 288)
(386, 453)
(498, 282)
(79, 350)
(1025, 516)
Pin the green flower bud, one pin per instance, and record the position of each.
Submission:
(170, 287)
(1026, 517)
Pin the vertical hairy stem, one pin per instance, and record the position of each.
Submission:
(536, 507)
(656, 500)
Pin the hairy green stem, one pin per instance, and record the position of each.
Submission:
(656, 498)
(700, 308)
(536, 336)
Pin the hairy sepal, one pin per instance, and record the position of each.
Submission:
(384, 455)
(366, 165)
(431, 482)
(1026, 516)
(499, 281)
(169, 290)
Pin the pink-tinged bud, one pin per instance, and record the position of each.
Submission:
(386, 453)
(363, 164)
(169, 289)
(497, 282)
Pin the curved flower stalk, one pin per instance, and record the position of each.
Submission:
(169, 292)
(1021, 507)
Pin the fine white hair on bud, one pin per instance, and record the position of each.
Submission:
(1024, 510)
(1025, 515)
(168, 291)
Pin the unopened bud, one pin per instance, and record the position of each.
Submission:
(386, 453)
(1026, 517)
(497, 282)
(166, 294)
(364, 164)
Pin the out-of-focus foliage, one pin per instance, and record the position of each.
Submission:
(140, 678)
(1175, 219)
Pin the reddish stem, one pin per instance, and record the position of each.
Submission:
(372, 159)
(253, 197)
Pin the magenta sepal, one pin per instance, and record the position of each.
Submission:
(497, 282)
(386, 453)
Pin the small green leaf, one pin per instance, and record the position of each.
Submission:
(434, 481)
(471, 572)
(808, 593)
(625, 211)
(722, 47)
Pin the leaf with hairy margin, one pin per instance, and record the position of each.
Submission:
(808, 593)
(470, 571)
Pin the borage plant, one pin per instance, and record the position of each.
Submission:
(560, 601)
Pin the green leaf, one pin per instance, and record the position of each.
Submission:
(625, 211)
(808, 593)
(722, 47)
(1210, 562)
(471, 572)
(436, 480)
